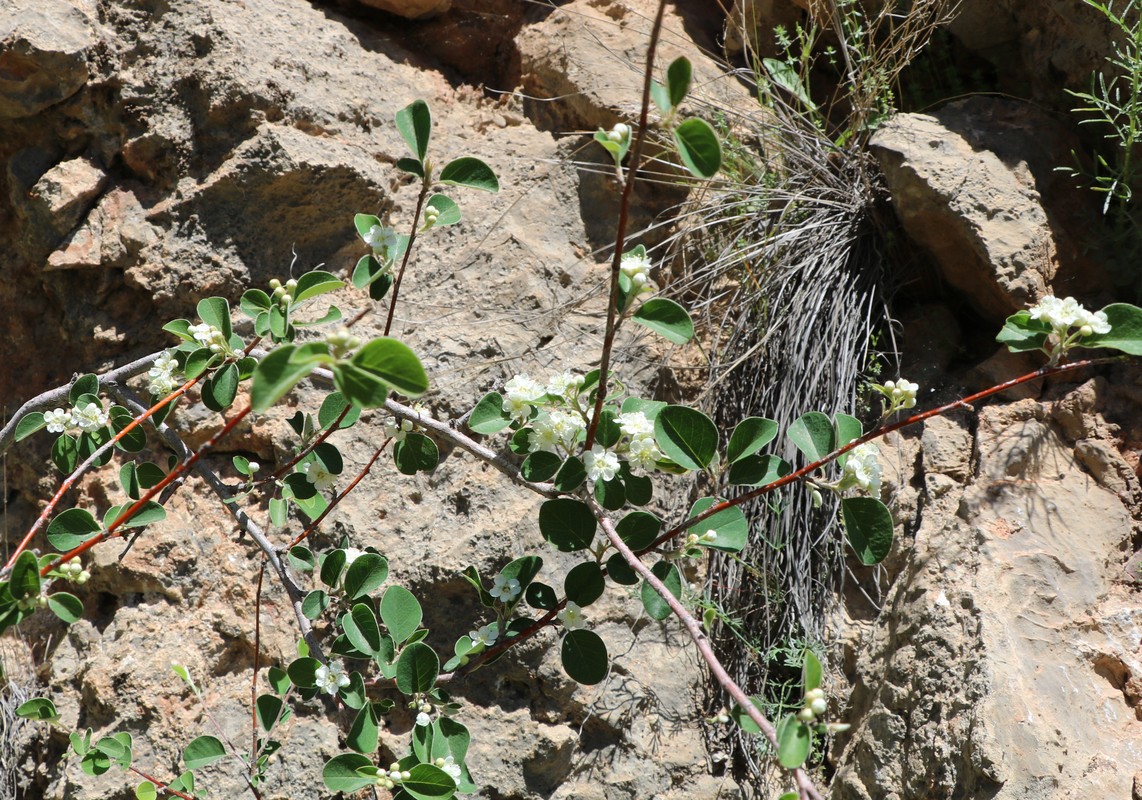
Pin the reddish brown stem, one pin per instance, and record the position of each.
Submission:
(68, 482)
(424, 187)
(162, 787)
(624, 220)
(133, 509)
(333, 428)
(333, 504)
(964, 402)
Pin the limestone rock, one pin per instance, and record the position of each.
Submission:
(411, 9)
(65, 192)
(44, 46)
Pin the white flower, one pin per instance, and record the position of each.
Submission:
(450, 766)
(709, 537)
(351, 555)
(397, 429)
(58, 420)
(383, 240)
(601, 464)
(90, 417)
(521, 393)
(637, 268)
(635, 424)
(206, 335)
(331, 677)
(316, 473)
(486, 635)
(901, 393)
(163, 374)
(505, 589)
(620, 133)
(862, 469)
(1062, 315)
(572, 616)
(643, 453)
(565, 385)
(423, 719)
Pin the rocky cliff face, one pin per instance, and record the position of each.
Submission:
(156, 152)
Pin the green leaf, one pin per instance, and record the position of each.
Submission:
(275, 375)
(366, 573)
(66, 606)
(199, 361)
(180, 328)
(394, 363)
(811, 672)
(332, 565)
(656, 607)
(584, 584)
(541, 596)
(744, 720)
(267, 708)
(279, 679)
(1021, 333)
(584, 657)
(540, 466)
(315, 603)
(620, 571)
(758, 470)
(331, 408)
(785, 76)
(364, 733)
(411, 166)
(84, 384)
(136, 439)
(216, 311)
(414, 123)
(148, 513)
(65, 453)
(567, 524)
(315, 283)
(1125, 330)
(813, 434)
(146, 791)
(488, 416)
(203, 751)
(848, 428)
(686, 436)
(611, 494)
(38, 708)
(29, 424)
(639, 489)
(303, 672)
(868, 523)
(523, 569)
(221, 388)
(470, 172)
(750, 435)
(660, 96)
(24, 580)
(571, 475)
(401, 613)
(361, 629)
(428, 782)
(698, 147)
(71, 528)
(340, 773)
(449, 212)
(794, 741)
(730, 524)
(666, 318)
(415, 453)
(254, 302)
(638, 529)
(417, 668)
(678, 80)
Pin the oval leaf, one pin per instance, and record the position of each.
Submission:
(584, 657)
(699, 148)
(414, 122)
(656, 607)
(813, 434)
(366, 573)
(794, 741)
(448, 213)
(24, 580)
(489, 416)
(275, 375)
(750, 435)
(394, 363)
(568, 524)
(584, 584)
(71, 528)
(415, 453)
(471, 172)
(1125, 330)
(66, 606)
(666, 318)
(686, 436)
(203, 751)
(868, 523)
(340, 773)
(729, 524)
(417, 668)
(401, 612)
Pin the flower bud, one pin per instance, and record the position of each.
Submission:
(215, 348)
(814, 694)
(287, 299)
(255, 466)
(405, 775)
(819, 706)
(1086, 330)
(275, 284)
(290, 285)
(806, 715)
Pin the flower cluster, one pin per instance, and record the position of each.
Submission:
(1062, 315)
(636, 266)
(521, 395)
(505, 590)
(862, 470)
(331, 678)
(87, 417)
(900, 394)
(424, 714)
(389, 778)
(209, 336)
(342, 343)
(74, 571)
(450, 766)
(396, 429)
(283, 293)
(164, 375)
(619, 134)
